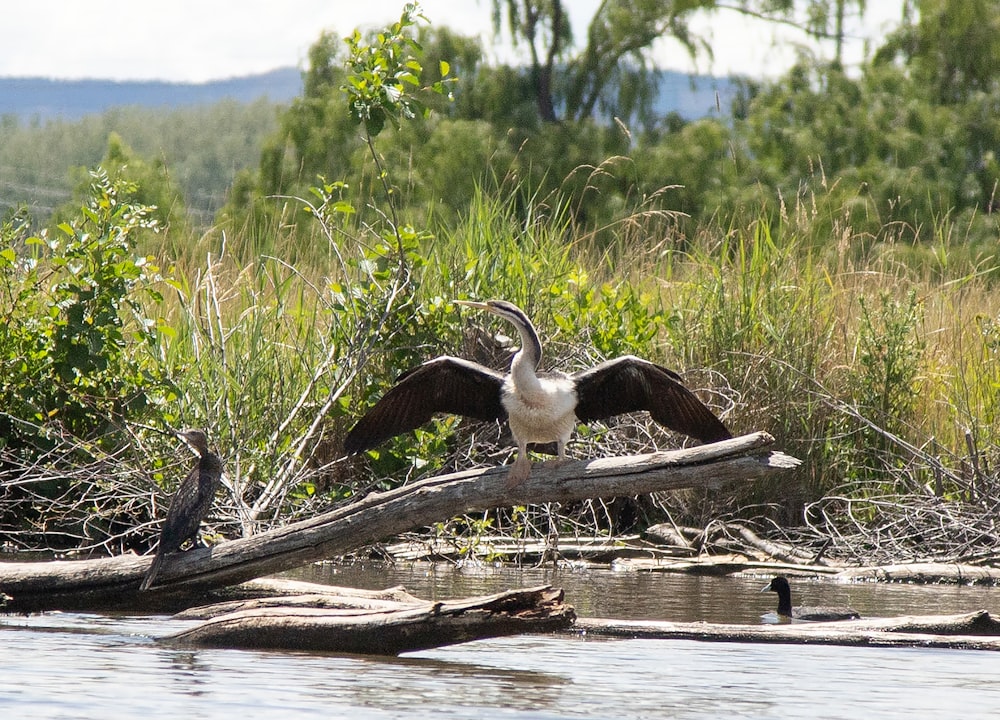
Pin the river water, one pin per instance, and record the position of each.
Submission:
(69, 665)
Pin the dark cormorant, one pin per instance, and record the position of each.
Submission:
(190, 503)
(780, 585)
(540, 407)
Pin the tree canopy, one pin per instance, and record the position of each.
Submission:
(909, 136)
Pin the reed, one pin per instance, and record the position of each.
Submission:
(880, 371)
(836, 352)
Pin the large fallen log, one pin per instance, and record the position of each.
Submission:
(387, 632)
(112, 583)
(974, 631)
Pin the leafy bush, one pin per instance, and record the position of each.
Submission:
(79, 345)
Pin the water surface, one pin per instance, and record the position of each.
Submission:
(657, 595)
(68, 665)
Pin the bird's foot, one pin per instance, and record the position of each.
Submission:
(519, 472)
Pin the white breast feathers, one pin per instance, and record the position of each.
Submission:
(543, 413)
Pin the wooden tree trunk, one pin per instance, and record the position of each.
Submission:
(185, 578)
(384, 632)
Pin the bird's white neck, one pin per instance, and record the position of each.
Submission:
(523, 373)
(524, 366)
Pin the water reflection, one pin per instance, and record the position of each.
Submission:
(66, 665)
(659, 596)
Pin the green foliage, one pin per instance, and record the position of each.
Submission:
(384, 74)
(615, 318)
(783, 254)
(869, 152)
(610, 76)
(150, 185)
(202, 149)
(977, 396)
(889, 358)
(953, 48)
(78, 345)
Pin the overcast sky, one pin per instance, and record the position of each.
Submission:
(198, 40)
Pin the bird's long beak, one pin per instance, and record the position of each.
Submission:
(766, 588)
(474, 304)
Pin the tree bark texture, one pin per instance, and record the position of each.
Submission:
(112, 583)
(384, 632)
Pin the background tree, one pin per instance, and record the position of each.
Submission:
(612, 69)
(611, 74)
(952, 46)
(952, 49)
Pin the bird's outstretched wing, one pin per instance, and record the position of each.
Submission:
(629, 384)
(442, 385)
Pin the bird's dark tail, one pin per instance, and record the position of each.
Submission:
(147, 582)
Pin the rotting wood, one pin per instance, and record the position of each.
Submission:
(973, 631)
(779, 551)
(186, 577)
(320, 601)
(274, 586)
(391, 632)
(738, 564)
(735, 538)
(671, 536)
(274, 592)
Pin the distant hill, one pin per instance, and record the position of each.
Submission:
(29, 98)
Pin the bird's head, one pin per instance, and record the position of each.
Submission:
(776, 585)
(501, 308)
(197, 440)
(531, 349)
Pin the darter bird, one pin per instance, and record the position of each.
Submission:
(190, 503)
(540, 407)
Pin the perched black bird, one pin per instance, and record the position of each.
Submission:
(541, 407)
(190, 503)
(780, 585)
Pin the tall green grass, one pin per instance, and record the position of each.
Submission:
(878, 373)
(835, 352)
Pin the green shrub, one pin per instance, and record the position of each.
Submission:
(79, 343)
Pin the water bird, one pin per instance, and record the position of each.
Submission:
(540, 407)
(779, 584)
(190, 504)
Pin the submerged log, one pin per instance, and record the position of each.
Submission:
(974, 631)
(186, 577)
(389, 632)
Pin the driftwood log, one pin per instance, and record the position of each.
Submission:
(387, 631)
(972, 631)
(185, 578)
(281, 592)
